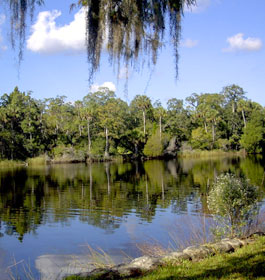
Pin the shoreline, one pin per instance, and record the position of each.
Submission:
(195, 154)
(190, 256)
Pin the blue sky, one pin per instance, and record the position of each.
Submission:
(223, 42)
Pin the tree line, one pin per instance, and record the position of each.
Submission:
(102, 125)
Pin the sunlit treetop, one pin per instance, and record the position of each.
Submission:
(131, 30)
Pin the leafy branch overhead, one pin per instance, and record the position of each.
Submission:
(129, 29)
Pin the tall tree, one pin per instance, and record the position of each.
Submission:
(142, 103)
(233, 94)
(177, 121)
(160, 114)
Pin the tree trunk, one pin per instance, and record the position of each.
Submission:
(144, 121)
(88, 136)
(90, 184)
(205, 127)
(233, 107)
(136, 149)
(213, 132)
(160, 127)
(107, 143)
(244, 118)
(12, 141)
(30, 134)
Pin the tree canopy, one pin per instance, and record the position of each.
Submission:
(129, 29)
(102, 125)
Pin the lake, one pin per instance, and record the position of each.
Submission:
(52, 217)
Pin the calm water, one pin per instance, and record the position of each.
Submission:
(50, 216)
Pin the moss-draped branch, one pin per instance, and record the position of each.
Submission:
(126, 28)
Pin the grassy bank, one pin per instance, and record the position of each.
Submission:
(43, 160)
(11, 163)
(208, 154)
(246, 263)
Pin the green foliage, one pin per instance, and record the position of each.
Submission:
(98, 146)
(201, 139)
(68, 153)
(223, 144)
(234, 202)
(154, 146)
(254, 133)
(102, 124)
(40, 160)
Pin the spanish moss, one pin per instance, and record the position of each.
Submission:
(130, 30)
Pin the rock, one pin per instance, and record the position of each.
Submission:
(137, 266)
(198, 252)
(255, 234)
(175, 257)
(124, 270)
(222, 247)
(246, 241)
(171, 149)
(100, 273)
(145, 263)
(235, 243)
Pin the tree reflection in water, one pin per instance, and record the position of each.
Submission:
(103, 194)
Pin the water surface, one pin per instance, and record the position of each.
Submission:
(50, 216)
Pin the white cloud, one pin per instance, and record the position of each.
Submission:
(199, 7)
(124, 73)
(47, 37)
(2, 21)
(189, 43)
(238, 43)
(110, 85)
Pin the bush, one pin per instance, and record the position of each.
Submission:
(154, 146)
(223, 144)
(40, 160)
(63, 153)
(200, 139)
(98, 147)
(234, 201)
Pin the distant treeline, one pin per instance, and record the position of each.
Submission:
(102, 125)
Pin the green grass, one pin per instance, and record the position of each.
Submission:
(208, 154)
(11, 163)
(40, 160)
(246, 263)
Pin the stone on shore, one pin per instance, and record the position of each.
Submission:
(198, 252)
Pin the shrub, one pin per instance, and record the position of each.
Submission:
(63, 153)
(234, 201)
(40, 160)
(200, 139)
(154, 146)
